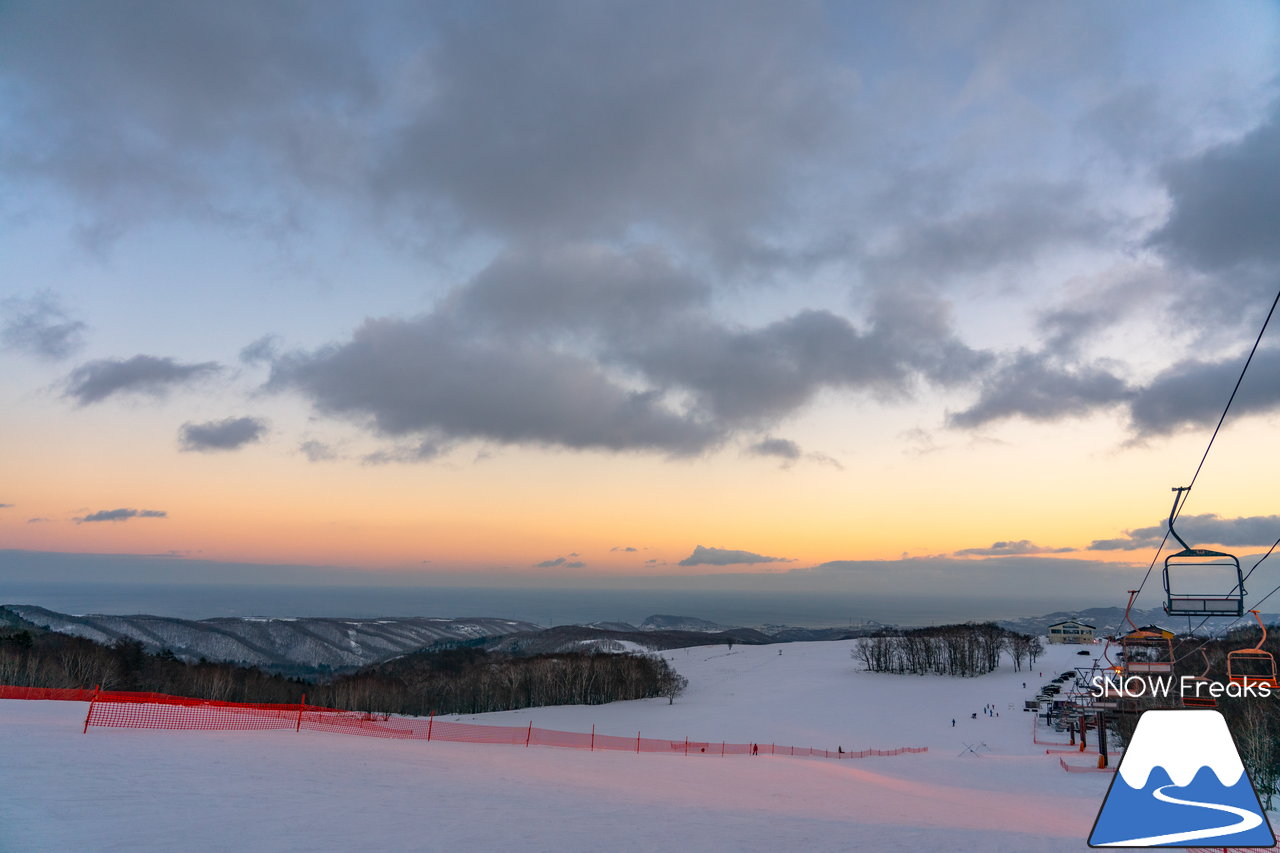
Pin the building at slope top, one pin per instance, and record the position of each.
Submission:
(1071, 631)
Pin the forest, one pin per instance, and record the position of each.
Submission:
(966, 650)
(445, 681)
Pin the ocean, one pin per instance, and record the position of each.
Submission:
(542, 606)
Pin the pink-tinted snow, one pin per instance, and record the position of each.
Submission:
(131, 790)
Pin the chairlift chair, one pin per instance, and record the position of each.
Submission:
(1202, 562)
(1196, 700)
(1253, 665)
(1146, 653)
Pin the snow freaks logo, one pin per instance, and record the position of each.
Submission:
(1190, 753)
(1161, 687)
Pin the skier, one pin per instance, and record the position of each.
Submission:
(953, 722)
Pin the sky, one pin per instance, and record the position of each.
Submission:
(859, 296)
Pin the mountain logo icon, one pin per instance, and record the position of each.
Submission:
(1181, 783)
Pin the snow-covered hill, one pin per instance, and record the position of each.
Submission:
(275, 643)
(145, 791)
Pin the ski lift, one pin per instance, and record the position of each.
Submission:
(1252, 666)
(1145, 651)
(1196, 700)
(1203, 564)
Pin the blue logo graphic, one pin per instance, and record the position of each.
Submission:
(1181, 784)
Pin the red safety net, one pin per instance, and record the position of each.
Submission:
(158, 711)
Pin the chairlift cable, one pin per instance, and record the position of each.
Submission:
(1239, 380)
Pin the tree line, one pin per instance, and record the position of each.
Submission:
(966, 650)
(459, 680)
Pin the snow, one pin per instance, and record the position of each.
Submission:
(1182, 742)
(136, 790)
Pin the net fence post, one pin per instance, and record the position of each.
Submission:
(301, 706)
(431, 722)
(529, 734)
(637, 743)
(92, 700)
(593, 737)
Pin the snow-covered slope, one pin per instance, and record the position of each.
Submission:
(150, 791)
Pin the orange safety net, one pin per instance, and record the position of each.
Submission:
(159, 711)
(1071, 768)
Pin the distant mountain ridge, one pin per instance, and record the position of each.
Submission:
(280, 644)
(1110, 621)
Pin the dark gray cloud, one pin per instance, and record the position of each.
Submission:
(1033, 386)
(588, 347)
(782, 448)
(577, 289)
(426, 450)
(1193, 393)
(226, 434)
(1226, 203)
(145, 109)
(39, 326)
(561, 563)
(121, 515)
(703, 556)
(9, 506)
(1013, 225)
(37, 520)
(685, 116)
(624, 548)
(95, 381)
(263, 350)
(429, 376)
(1011, 548)
(1207, 528)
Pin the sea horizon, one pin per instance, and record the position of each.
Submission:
(541, 606)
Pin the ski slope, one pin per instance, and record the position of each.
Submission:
(136, 790)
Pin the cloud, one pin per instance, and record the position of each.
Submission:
(8, 506)
(226, 434)
(423, 451)
(561, 563)
(1193, 393)
(1207, 528)
(709, 106)
(38, 326)
(702, 556)
(1226, 203)
(157, 110)
(121, 515)
(781, 448)
(95, 381)
(263, 350)
(1019, 548)
(430, 376)
(1031, 385)
(317, 451)
(621, 548)
(38, 520)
